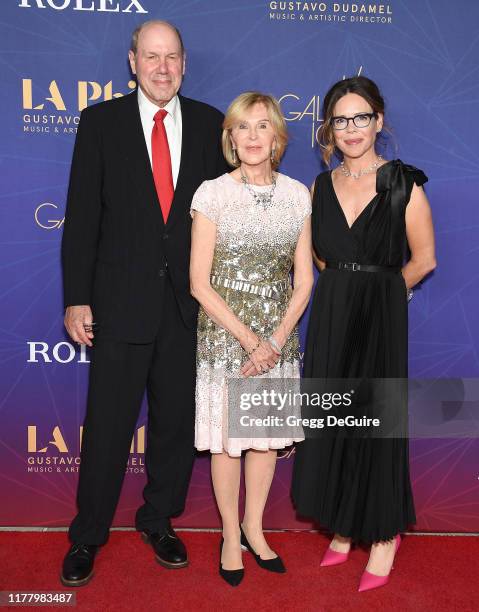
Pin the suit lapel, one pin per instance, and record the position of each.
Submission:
(138, 159)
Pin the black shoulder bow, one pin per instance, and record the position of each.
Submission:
(396, 175)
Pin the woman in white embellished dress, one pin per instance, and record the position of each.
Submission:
(250, 229)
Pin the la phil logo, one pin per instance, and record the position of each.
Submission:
(58, 441)
(99, 6)
(56, 117)
(52, 453)
(87, 91)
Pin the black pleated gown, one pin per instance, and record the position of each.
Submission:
(358, 487)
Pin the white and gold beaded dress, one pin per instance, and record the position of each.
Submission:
(251, 268)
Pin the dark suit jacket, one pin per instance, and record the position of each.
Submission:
(116, 249)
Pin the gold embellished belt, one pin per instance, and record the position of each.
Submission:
(273, 290)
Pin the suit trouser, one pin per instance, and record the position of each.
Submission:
(119, 374)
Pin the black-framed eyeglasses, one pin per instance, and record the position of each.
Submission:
(361, 120)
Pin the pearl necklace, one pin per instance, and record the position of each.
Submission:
(347, 172)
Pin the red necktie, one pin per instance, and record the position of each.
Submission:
(160, 154)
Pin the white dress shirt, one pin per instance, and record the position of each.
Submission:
(173, 127)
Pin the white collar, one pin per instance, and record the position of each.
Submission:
(149, 110)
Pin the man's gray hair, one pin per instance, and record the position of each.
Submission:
(137, 30)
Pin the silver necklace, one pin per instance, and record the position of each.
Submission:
(264, 199)
(347, 172)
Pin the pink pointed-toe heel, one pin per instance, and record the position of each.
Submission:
(372, 581)
(332, 557)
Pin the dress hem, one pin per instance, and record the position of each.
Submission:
(367, 538)
(216, 451)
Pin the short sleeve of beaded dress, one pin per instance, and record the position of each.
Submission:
(251, 267)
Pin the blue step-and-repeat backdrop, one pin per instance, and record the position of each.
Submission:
(59, 56)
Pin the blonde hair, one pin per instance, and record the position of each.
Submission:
(236, 112)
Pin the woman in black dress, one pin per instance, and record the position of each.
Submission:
(366, 212)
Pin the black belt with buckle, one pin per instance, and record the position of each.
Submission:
(356, 267)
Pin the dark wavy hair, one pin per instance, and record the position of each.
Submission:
(360, 85)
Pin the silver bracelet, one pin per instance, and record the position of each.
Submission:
(274, 344)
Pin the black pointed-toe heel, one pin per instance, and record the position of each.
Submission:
(232, 577)
(272, 565)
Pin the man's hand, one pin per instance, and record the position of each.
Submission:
(76, 317)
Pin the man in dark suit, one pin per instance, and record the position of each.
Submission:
(126, 245)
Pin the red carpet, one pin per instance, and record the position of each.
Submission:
(432, 573)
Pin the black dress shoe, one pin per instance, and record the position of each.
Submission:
(272, 565)
(78, 565)
(169, 550)
(232, 577)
